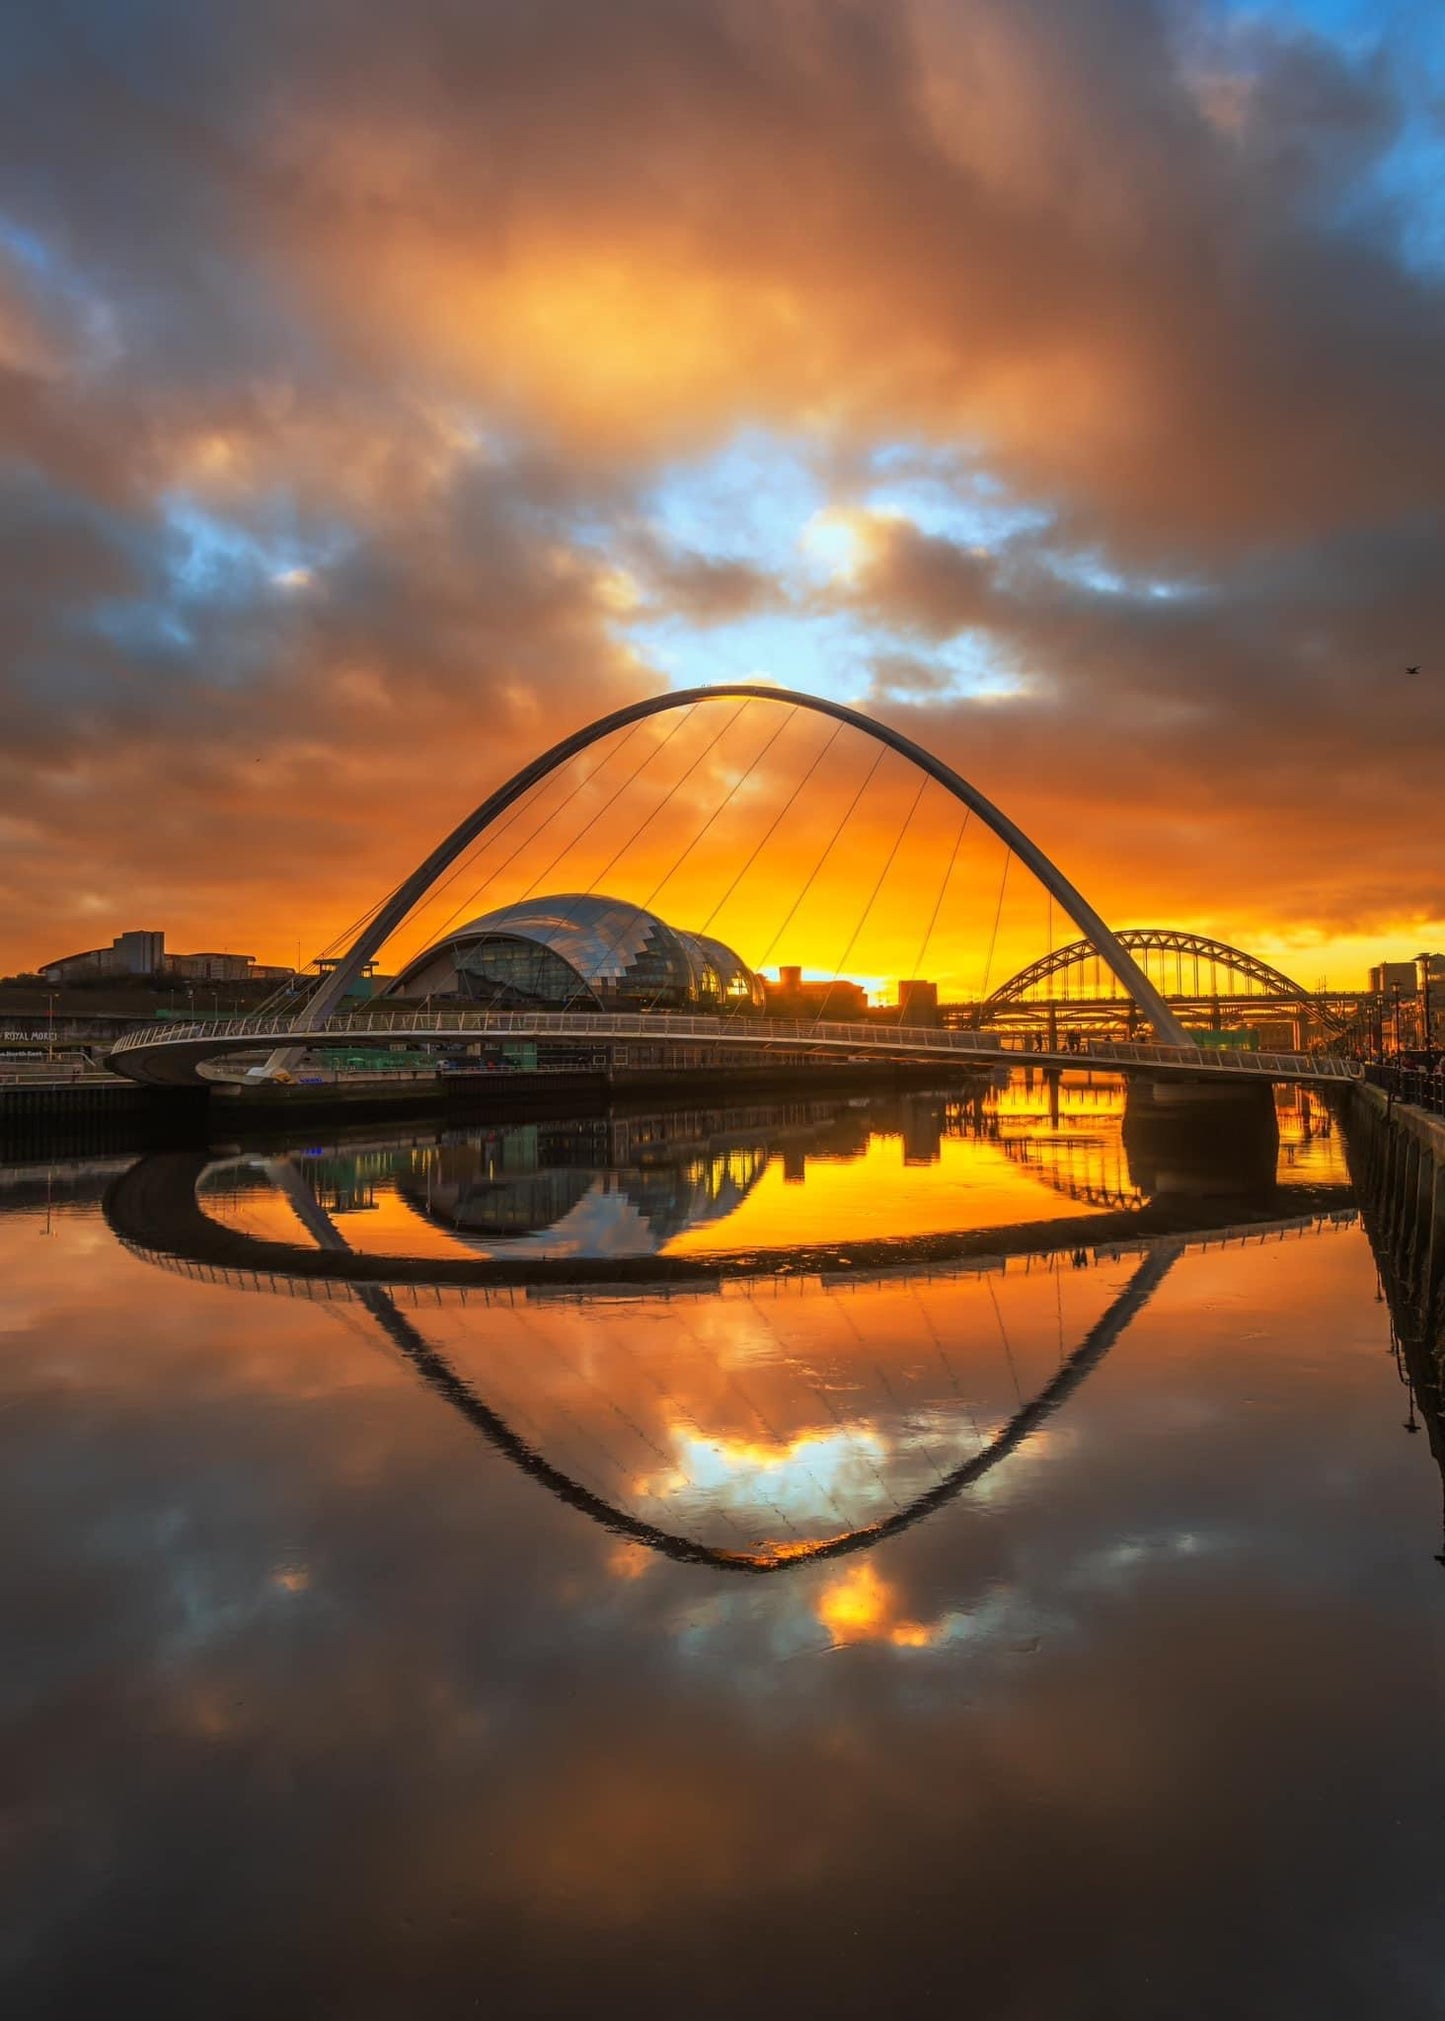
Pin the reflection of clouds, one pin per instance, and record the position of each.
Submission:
(1125, 1564)
(1043, 1448)
(755, 1638)
(812, 1469)
(774, 1422)
(860, 1606)
(478, 1725)
(992, 1618)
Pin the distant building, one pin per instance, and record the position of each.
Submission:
(369, 983)
(128, 954)
(1389, 975)
(205, 967)
(791, 997)
(918, 1003)
(1405, 988)
(142, 954)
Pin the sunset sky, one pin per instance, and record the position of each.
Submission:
(386, 391)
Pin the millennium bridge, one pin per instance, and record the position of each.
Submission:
(173, 1054)
(176, 1054)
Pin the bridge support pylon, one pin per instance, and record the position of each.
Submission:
(1201, 1139)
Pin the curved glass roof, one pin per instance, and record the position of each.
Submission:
(612, 946)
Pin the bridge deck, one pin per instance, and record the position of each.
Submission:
(172, 1054)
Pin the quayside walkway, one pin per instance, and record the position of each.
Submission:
(173, 1055)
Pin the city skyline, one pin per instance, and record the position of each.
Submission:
(1058, 383)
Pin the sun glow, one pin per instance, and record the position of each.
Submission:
(834, 541)
(861, 1606)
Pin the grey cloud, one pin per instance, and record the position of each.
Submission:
(1020, 235)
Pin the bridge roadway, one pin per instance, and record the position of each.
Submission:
(172, 1055)
(1032, 1012)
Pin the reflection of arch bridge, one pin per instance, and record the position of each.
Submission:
(1093, 1171)
(174, 1054)
(154, 1210)
(1206, 981)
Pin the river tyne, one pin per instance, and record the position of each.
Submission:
(848, 1557)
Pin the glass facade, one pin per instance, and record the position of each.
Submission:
(504, 969)
(581, 951)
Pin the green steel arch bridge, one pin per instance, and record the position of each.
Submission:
(1208, 983)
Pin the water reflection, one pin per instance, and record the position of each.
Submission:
(317, 1703)
(1410, 1280)
(700, 1181)
(826, 1422)
(816, 1452)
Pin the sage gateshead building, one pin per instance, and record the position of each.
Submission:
(581, 951)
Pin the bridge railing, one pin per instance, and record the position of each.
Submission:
(1421, 1087)
(256, 1031)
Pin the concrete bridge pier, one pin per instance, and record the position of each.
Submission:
(1200, 1138)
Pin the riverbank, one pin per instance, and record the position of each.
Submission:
(1397, 1157)
(108, 1113)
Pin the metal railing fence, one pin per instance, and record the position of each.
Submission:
(802, 1034)
(1422, 1087)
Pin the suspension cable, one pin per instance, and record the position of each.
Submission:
(997, 916)
(817, 867)
(647, 820)
(616, 940)
(561, 807)
(877, 887)
(719, 809)
(656, 752)
(722, 805)
(489, 835)
(938, 902)
(284, 990)
(773, 825)
(633, 775)
(1003, 1336)
(526, 804)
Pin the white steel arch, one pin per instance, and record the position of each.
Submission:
(1133, 979)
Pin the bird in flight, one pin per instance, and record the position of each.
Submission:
(1412, 670)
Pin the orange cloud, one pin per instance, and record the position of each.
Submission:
(335, 408)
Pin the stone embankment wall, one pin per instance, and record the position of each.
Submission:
(93, 1113)
(1397, 1159)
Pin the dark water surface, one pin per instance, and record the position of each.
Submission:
(1057, 1634)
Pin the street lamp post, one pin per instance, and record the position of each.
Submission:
(1424, 962)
